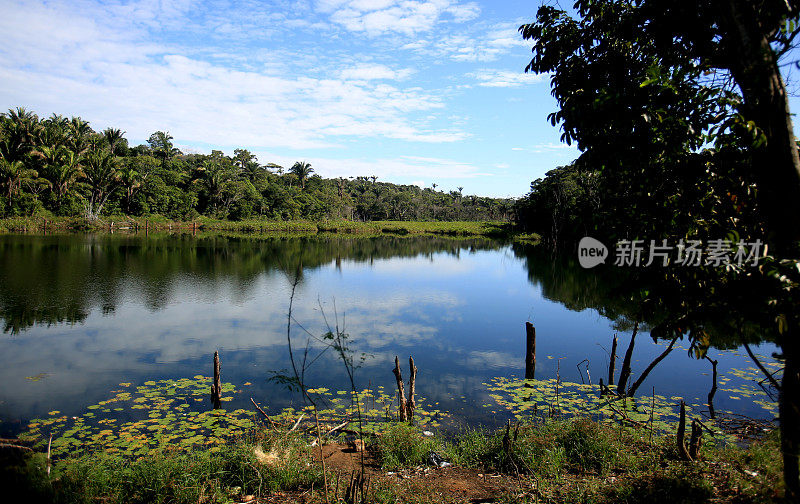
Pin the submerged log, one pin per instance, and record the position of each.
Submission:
(530, 351)
(216, 388)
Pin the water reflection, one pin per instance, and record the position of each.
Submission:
(94, 311)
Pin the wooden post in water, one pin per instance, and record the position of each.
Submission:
(216, 389)
(401, 407)
(613, 361)
(412, 382)
(625, 373)
(681, 435)
(713, 391)
(530, 351)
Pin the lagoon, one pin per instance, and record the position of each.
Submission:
(84, 313)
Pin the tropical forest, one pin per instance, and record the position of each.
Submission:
(387, 252)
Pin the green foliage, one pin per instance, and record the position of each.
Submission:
(172, 476)
(164, 416)
(52, 162)
(402, 445)
(656, 413)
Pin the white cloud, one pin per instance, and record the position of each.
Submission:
(554, 147)
(376, 17)
(478, 44)
(112, 74)
(505, 78)
(367, 71)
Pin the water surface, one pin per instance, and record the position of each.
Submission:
(83, 313)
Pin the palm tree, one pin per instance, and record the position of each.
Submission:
(65, 174)
(102, 177)
(131, 180)
(161, 143)
(216, 177)
(12, 175)
(79, 135)
(113, 136)
(302, 170)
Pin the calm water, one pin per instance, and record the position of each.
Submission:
(83, 313)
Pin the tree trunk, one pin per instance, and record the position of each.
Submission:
(412, 384)
(530, 351)
(713, 390)
(755, 70)
(638, 383)
(401, 396)
(789, 407)
(612, 361)
(216, 388)
(625, 373)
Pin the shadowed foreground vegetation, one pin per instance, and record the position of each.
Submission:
(575, 460)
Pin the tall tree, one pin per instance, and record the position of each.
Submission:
(681, 107)
(302, 170)
(102, 178)
(13, 174)
(114, 138)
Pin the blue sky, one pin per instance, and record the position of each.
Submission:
(425, 91)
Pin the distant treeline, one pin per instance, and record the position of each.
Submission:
(61, 166)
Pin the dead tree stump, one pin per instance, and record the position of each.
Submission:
(216, 388)
(530, 351)
(713, 390)
(613, 361)
(681, 435)
(696, 440)
(402, 407)
(625, 373)
(412, 382)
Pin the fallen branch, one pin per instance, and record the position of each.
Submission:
(294, 427)
(263, 413)
(337, 427)
(14, 446)
(762, 368)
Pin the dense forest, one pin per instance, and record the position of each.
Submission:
(61, 166)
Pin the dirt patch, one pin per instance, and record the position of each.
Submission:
(423, 483)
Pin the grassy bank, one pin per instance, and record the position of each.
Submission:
(157, 223)
(574, 460)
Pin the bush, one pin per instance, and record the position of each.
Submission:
(402, 445)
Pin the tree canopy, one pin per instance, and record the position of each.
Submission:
(62, 166)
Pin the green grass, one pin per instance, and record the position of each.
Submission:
(403, 445)
(170, 476)
(547, 449)
(575, 460)
(262, 226)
